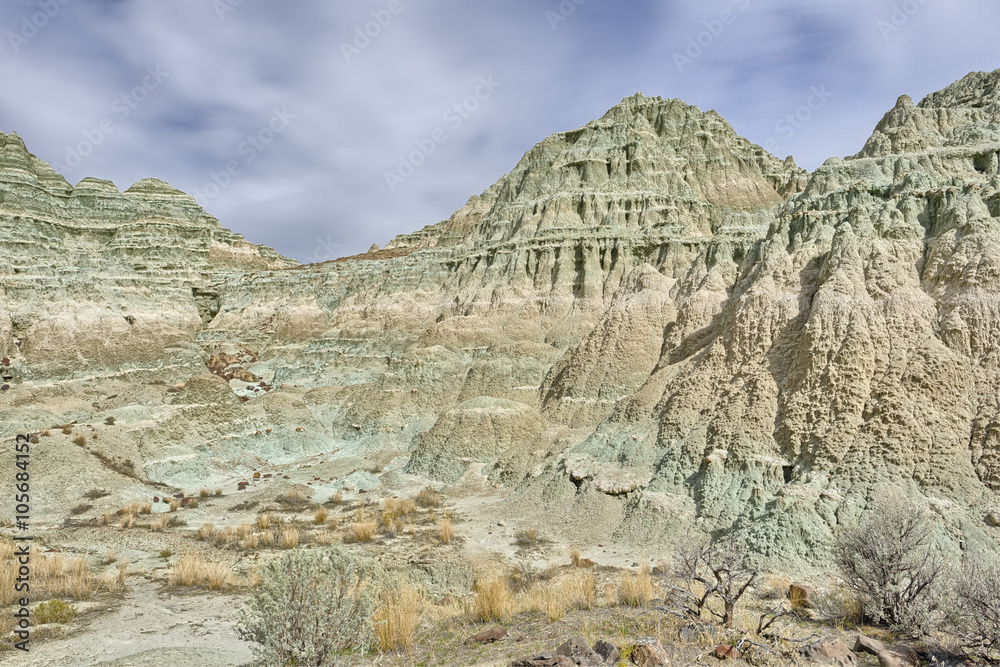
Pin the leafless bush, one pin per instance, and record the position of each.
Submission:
(714, 576)
(977, 612)
(890, 561)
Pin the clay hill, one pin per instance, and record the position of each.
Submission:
(649, 322)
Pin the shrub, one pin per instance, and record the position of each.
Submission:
(311, 608)
(839, 605)
(54, 611)
(889, 560)
(527, 537)
(67, 429)
(94, 494)
(716, 570)
(79, 440)
(397, 618)
(977, 617)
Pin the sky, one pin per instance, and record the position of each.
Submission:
(320, 128)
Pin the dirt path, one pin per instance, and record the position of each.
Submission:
(149, 630)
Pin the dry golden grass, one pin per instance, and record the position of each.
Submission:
(428, 497)
(80, 440)
(266, 520)
(338, 498)
(94, 435)
(159, 523)
(218, 492)
(192, 570)
(126, 521)
(67, 429)
(113, 581)
(110, 556)
(289, 538)
(192, 502)
(292, 497)
(635, 590)
(267, 538)
(320, 515)
(174, 504)
(362, 531)
(493, 601)
(446, 530)
(105, 519)
(46, 433)
(574, 556)
(397, 617)
(244, 530)
(204, 493)
(206, 531)
(250, 542)
(323, 538)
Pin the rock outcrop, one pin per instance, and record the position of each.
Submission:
(648, 319)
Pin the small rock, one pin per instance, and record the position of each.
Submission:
(649, 652)
(898, 656)
(578, 650)
(608, 651)
(865, 644)
(993, 519)
(502, 524)
(801, 596)
(829, 651)
(494, 634)
(727, 652)
(543, 660)
(586, 562)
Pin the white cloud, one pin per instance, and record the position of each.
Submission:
(320, 183)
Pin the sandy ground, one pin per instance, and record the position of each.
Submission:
(151, 628)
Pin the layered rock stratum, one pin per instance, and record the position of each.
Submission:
(649, 323)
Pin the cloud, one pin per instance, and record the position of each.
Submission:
(318, 188)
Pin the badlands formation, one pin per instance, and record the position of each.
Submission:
(649, 323)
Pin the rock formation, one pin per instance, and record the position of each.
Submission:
(648, 320)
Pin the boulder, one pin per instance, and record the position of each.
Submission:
(727, 652)
(608, 651)
(898, 656)
(543, 660)
(801, 596)
(649, 652)
(829, 650)
(578, 650)
(865, 644)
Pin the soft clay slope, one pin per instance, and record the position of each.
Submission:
(649, 322)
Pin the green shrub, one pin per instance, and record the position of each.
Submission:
(311, 608)
(54, 611)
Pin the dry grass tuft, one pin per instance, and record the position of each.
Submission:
(494, 601)
(192, 570)
(320, 515)
(446, 530)
(126, 521)
(362, 531)
(338, 498)
(635, 590)
(397, 618)
(80, 440)
(67, 429)
(174, 504)
(206, 531)
(575, 556)
(289, 538)
(160, 523)
(267, 519)
(204, 493)
(428, 497)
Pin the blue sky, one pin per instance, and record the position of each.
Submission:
(285, 117)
